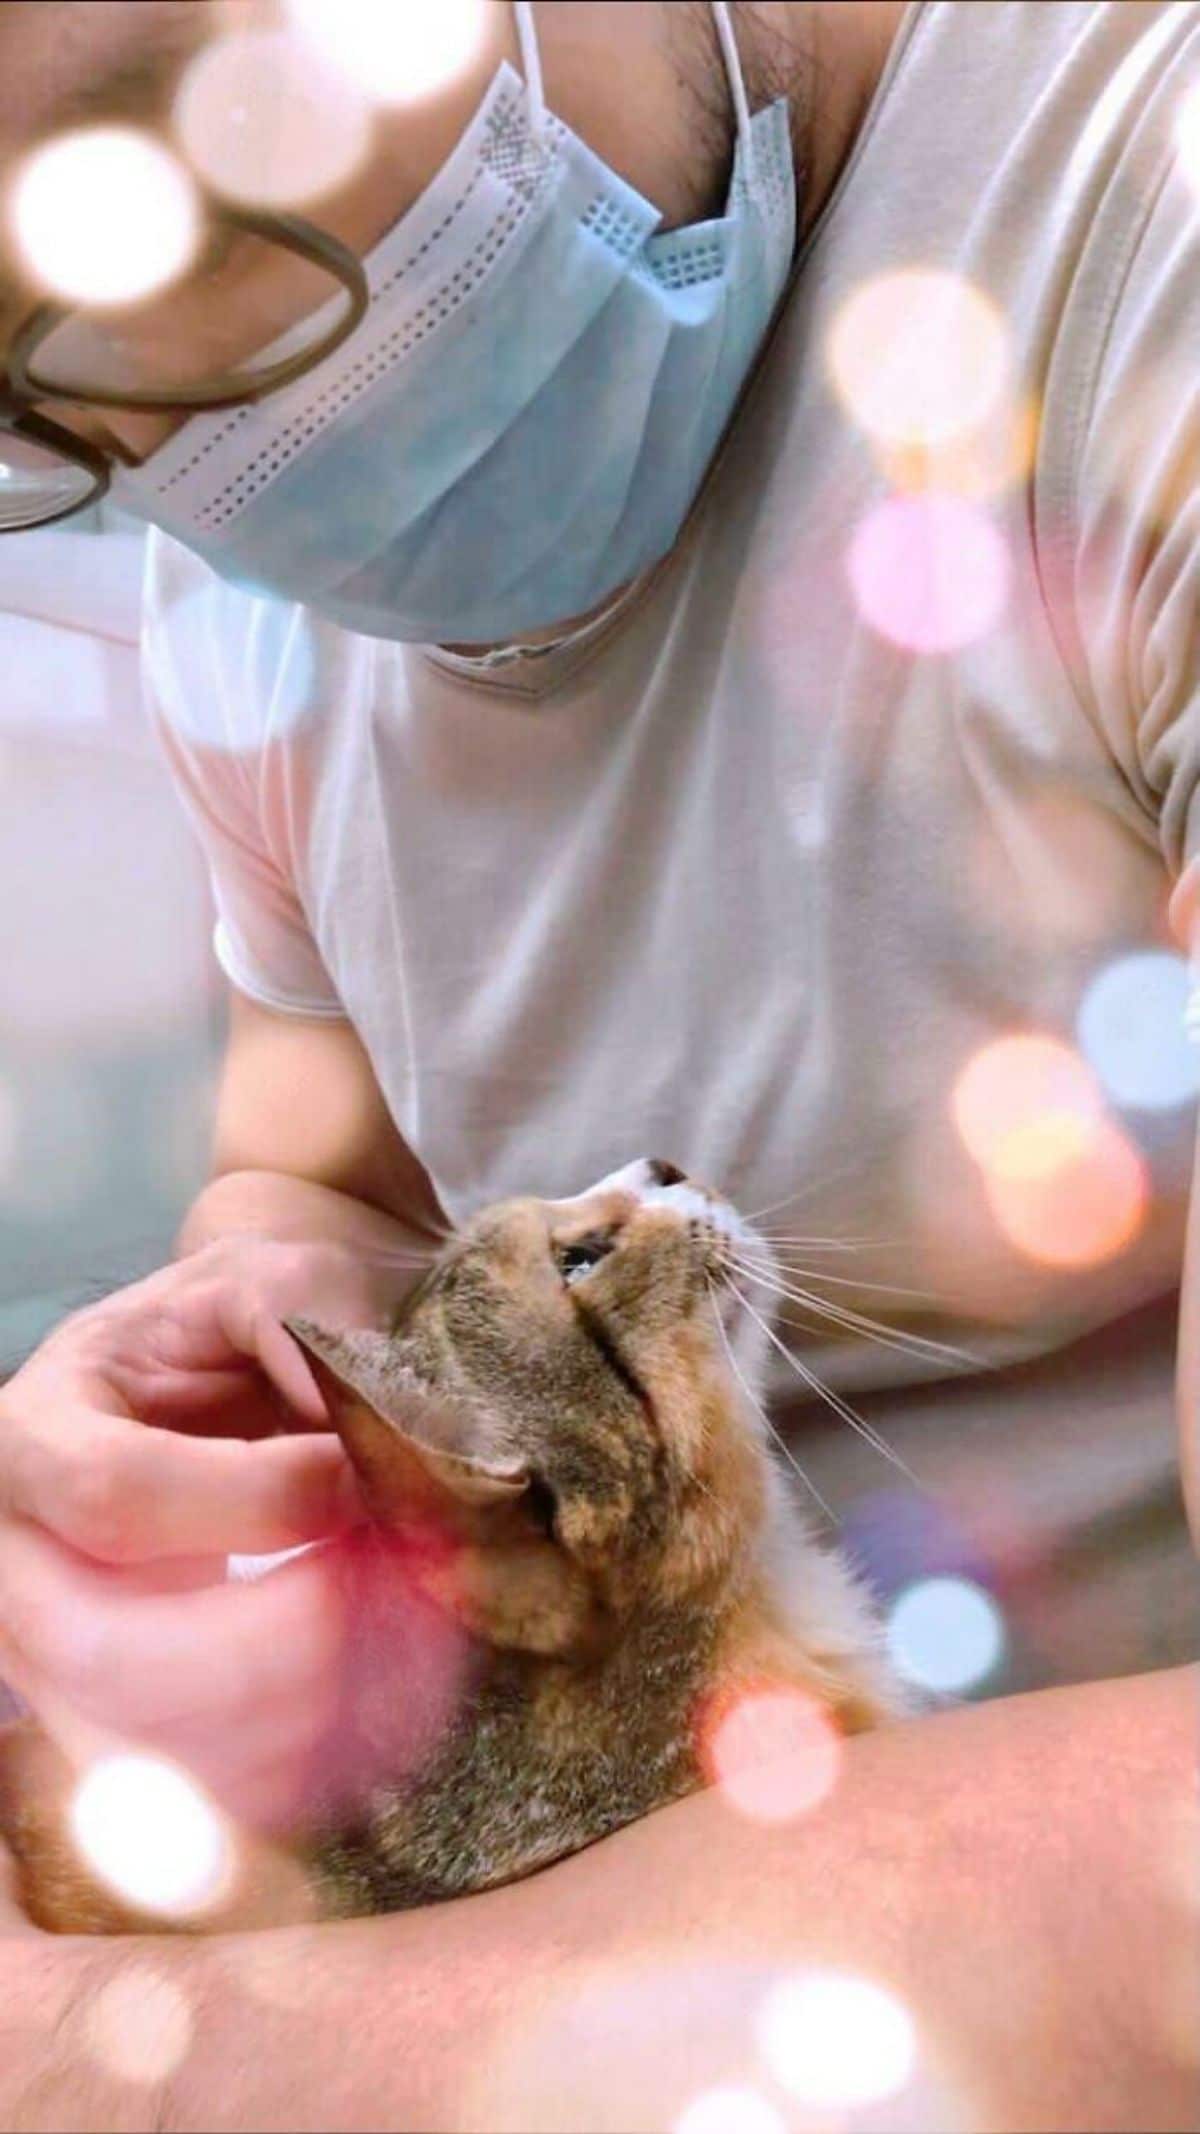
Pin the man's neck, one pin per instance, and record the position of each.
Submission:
(834, 52)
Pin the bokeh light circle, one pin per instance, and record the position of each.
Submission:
(919, 355)
(773, 1752)
(945, 1634)
(1132, 1029)
(929, 572)
(981, 463)
(138, 2025)
(263, 123)
(392, 54)
(1080, 1211)
(1063, 1183)
(733, 2108)
(1026, 1104)
(150, 1834)
(105, 215)
(832, 2039)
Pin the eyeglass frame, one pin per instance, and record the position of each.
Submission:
(21, 393)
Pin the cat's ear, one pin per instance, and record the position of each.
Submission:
(407, 1446)
(414, 1460)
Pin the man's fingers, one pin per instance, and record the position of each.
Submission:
(203, 1347)
(257, 1332)
(127, 1493)
(133, 1661)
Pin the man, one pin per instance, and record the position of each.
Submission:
(715, 853)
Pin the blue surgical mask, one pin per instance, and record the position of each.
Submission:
(526, 413)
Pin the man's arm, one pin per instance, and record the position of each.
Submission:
(1187, 1376)
(1020, 1874)
(306, 1148)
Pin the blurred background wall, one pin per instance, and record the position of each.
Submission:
(110, 1003)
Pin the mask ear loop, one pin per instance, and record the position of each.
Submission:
(531, 66)
(737, 87)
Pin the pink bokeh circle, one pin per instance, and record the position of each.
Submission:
(930, 572)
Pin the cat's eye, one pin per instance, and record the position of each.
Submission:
(578, 1259)
(542, 1505)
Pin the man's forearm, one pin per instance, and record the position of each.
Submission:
(273, 1204)
(53, 2011)
(1187, 1378)
(1020, 1875)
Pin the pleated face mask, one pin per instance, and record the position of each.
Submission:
(522, 420)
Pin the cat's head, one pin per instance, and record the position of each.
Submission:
(567, 1400)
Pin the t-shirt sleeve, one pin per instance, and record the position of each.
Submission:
(215, 662)
(1136, 536)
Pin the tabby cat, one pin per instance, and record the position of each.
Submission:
(560, 1441)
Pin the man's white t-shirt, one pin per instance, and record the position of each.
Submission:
(734, 878)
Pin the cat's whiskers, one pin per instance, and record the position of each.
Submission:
(785, 1253)
(849, 1281)
(761, 1412)
(852, 1167)
(768, 1278)
(810, 1378)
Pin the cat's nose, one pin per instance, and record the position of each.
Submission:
(635, 1178)
(661, 1173)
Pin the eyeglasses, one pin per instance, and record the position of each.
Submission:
(163, 356)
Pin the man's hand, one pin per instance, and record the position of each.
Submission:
(122, 1491)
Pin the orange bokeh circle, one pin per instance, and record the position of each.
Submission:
(1026, 1105)
(1080, 1212)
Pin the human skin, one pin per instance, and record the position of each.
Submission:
(1022, 1875)
(1187, 1373)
